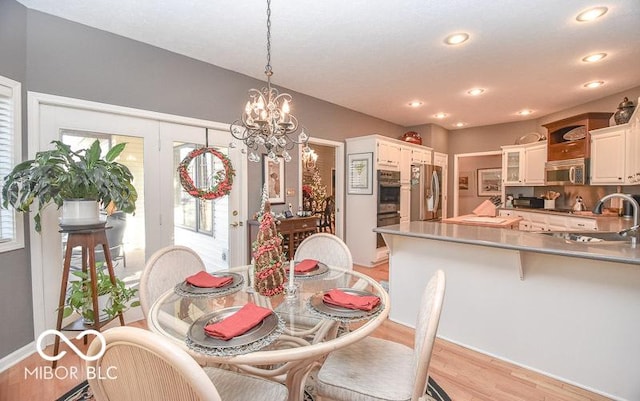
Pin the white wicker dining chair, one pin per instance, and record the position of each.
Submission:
(377, 369)
(140, 365)
(166, 267)
(326, 248)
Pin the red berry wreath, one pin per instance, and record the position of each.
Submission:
(223, 180)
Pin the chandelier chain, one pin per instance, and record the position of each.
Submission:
(267, 69)
(266, 124)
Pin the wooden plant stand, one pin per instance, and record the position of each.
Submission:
(88, 239)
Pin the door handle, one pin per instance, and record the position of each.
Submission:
(234, 224)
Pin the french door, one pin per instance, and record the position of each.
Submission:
(164, 216)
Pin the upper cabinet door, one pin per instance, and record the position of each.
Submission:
(535, 156)
(388, 156)
(608, 157)
(420, 156)
(512, 166)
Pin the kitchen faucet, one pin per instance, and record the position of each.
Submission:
(636, 209)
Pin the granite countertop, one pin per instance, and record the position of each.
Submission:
(620, 252)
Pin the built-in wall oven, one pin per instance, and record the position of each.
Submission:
(388, 201)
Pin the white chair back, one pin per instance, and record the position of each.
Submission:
(141, 365)
(166, 268)
(426, 328)
(326, 248)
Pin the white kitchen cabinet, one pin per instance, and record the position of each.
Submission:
(440, 159)
(405, 164)
(581, 223)
(405, 203)
(535, 156)
(420, 156)
(388, 155)
(512, 165)
(524, 164)
(541, 221)
(361, 218)
(632, 146)
(615, 153)
(608, 155)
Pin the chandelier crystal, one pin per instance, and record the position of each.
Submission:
(267, 125)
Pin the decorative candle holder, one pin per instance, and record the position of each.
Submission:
(291, 291)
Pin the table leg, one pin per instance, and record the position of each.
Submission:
(296, 378)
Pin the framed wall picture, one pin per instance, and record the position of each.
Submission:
(273, 174)
(463, 181)
(489, 181)
(360, 171)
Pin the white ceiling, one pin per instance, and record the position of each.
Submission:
(374, 56)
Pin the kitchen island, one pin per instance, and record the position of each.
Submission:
(564, 309)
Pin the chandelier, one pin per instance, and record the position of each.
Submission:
(267, 124)
(309, 157)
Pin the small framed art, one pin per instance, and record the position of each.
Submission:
(273, 174)
(360, 171)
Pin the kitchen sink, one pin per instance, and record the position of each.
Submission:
(589, 236)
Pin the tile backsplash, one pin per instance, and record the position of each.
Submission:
(590, 193)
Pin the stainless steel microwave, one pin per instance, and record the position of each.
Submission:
(567, 172)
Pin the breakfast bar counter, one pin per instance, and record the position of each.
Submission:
(565, 309)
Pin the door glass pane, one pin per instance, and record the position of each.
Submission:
(185, 212)
(127, 235)
(200, 224)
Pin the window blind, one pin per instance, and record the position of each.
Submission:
(7, 223)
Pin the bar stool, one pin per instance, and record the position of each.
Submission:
(87, 239)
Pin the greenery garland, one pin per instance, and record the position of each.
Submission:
(224, 180)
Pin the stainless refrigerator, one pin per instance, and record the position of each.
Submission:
(426, 194)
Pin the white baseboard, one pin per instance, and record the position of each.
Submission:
(16, 356)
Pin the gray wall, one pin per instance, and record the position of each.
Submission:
(77, 61)
(55, 56)
(16, 312)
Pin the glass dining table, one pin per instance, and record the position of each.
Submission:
(287, 345)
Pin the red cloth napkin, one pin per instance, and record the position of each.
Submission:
(341, 298)
(206, 280)
(239, 323)
(305, 266)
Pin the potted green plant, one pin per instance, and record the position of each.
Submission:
(63, 174)
(112, 298)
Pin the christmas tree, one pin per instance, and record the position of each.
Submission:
(318, 191)
(269, 273)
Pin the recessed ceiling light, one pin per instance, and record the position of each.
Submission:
(592, 58)
(456, 38)
(591, 14)
(440, 115)
(415, 103)
(593, 84)
(475, 91)
(525, 112)
(459, 124)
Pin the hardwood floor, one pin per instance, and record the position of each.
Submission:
(467, 375)
(464, 374)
